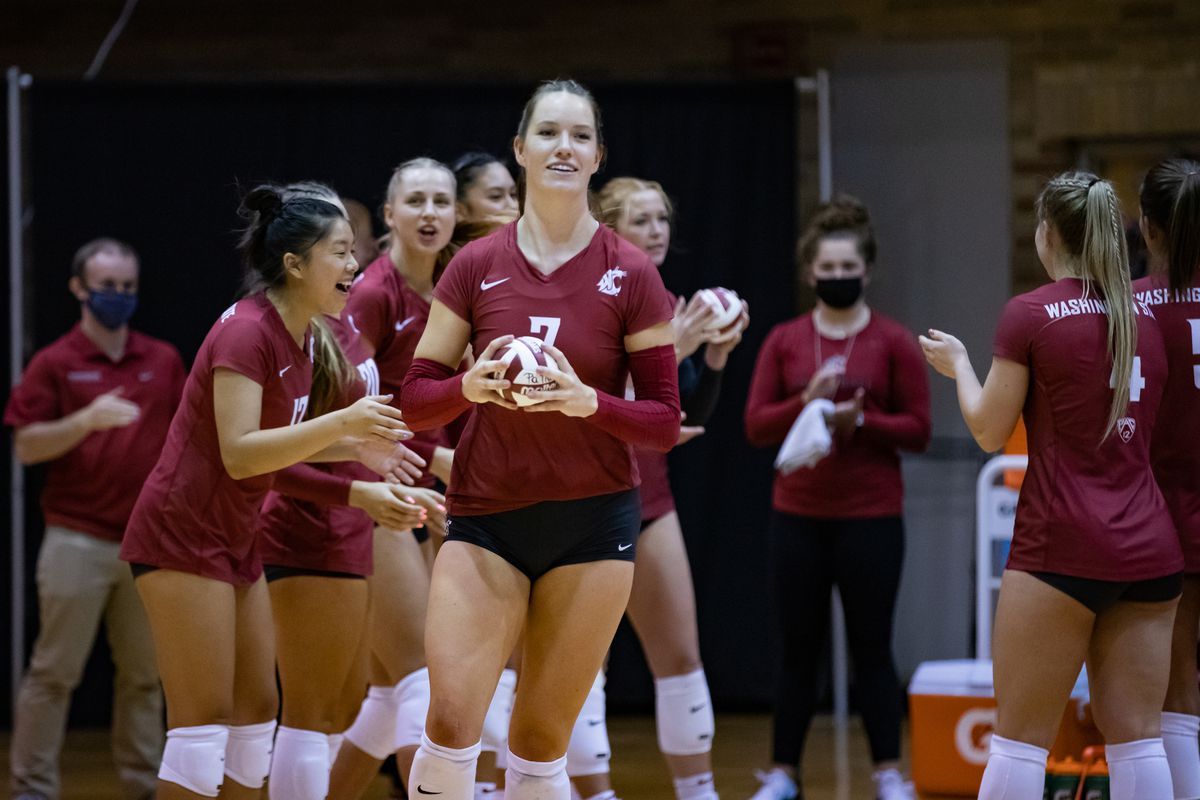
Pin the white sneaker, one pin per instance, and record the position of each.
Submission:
(890, 785)
(776, 785)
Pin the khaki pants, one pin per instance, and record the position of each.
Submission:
(80, 581)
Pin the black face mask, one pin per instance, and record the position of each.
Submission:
(839, 292)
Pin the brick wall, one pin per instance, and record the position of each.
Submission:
(1083, 71)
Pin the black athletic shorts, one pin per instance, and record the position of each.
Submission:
(275, 572)
(1099, 596)
(537, 538)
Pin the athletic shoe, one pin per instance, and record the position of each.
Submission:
(776, 785)
(890, 785)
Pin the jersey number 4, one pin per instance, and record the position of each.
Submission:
(548, 324)
(1195, 324)
(1136, 381)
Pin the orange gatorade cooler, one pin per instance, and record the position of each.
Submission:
(952, 710)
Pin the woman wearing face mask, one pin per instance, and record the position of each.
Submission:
(839, 523)
(1095, 567)
(662, 605)
(543, 498)
(1170, 222)
(191, 539)
(388, 308)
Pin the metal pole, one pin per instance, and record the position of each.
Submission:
(16, 274)
(819, 86)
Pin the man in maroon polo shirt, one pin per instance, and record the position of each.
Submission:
(95, 405)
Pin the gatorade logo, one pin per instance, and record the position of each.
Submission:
(973, 735)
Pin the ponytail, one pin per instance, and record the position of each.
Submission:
(1086, 214)
(332, 371)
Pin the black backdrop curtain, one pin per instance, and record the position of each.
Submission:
(159, 166)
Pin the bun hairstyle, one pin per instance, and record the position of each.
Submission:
(278, 223)
(551, 87)
(1170, 199)
(1084, 211)
(843, 217)
(610, 202)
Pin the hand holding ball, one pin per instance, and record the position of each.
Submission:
(521, 359)
(727, 311)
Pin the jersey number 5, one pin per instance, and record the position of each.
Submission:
(1136, 381)
(549, 324)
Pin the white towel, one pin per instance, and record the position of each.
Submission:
(808, 441)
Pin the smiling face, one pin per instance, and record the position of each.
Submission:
(646, 222)
(420, 211)
(323, 275)
(559, 151)
(491, 193)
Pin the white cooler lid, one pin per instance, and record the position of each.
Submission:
(968, 677)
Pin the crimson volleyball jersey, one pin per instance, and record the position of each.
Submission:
(1175, 446)
(586, 308)
(654, 470)
(860, 478)
(1087, 508)
(321, 531)
(92, 487)
(385, 310)
(191, 515)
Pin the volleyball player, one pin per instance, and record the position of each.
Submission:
(1170, 222)
(191, 537)
(543, 501)
(662, 604)
(1094, 573)
(388, 308)
(485, 188)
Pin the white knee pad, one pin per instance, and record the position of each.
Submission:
(445, 771)
(335, 744)
(588, 752)
(499, 714)
(300, 766)
(248, 753)
(374, 729)
(1015, 770)
(536, 780)
(684, 714)
(1138, 770)
(194, 758)
(1179, 733)
(412, 707)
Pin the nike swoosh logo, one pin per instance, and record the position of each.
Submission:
(484, 285)
(700, 707)
(402, 325)
(421, 790)
(594, 722)
(624, 547)
(285, 369)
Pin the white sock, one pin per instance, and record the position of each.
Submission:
(299, 765)
(1015, 771)
(1138, 770)
(335, 744)
(444, 771)
(536, 780)
(485, 790)
(1181, 740)
(607, 794)
(696, 787)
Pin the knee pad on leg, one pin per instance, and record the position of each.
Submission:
(589, 752)
(495, 724)
(300, 766)
(374, 729)
(1015, 770)
(684, 714)
(536, 780)
(335, 744)
(194, 758)
(444, 771)
(248, 753)
(412, 706)
(1179, 733)
(1138, 770)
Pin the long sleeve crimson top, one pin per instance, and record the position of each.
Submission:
(860, 478)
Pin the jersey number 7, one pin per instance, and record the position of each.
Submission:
(550, 324)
